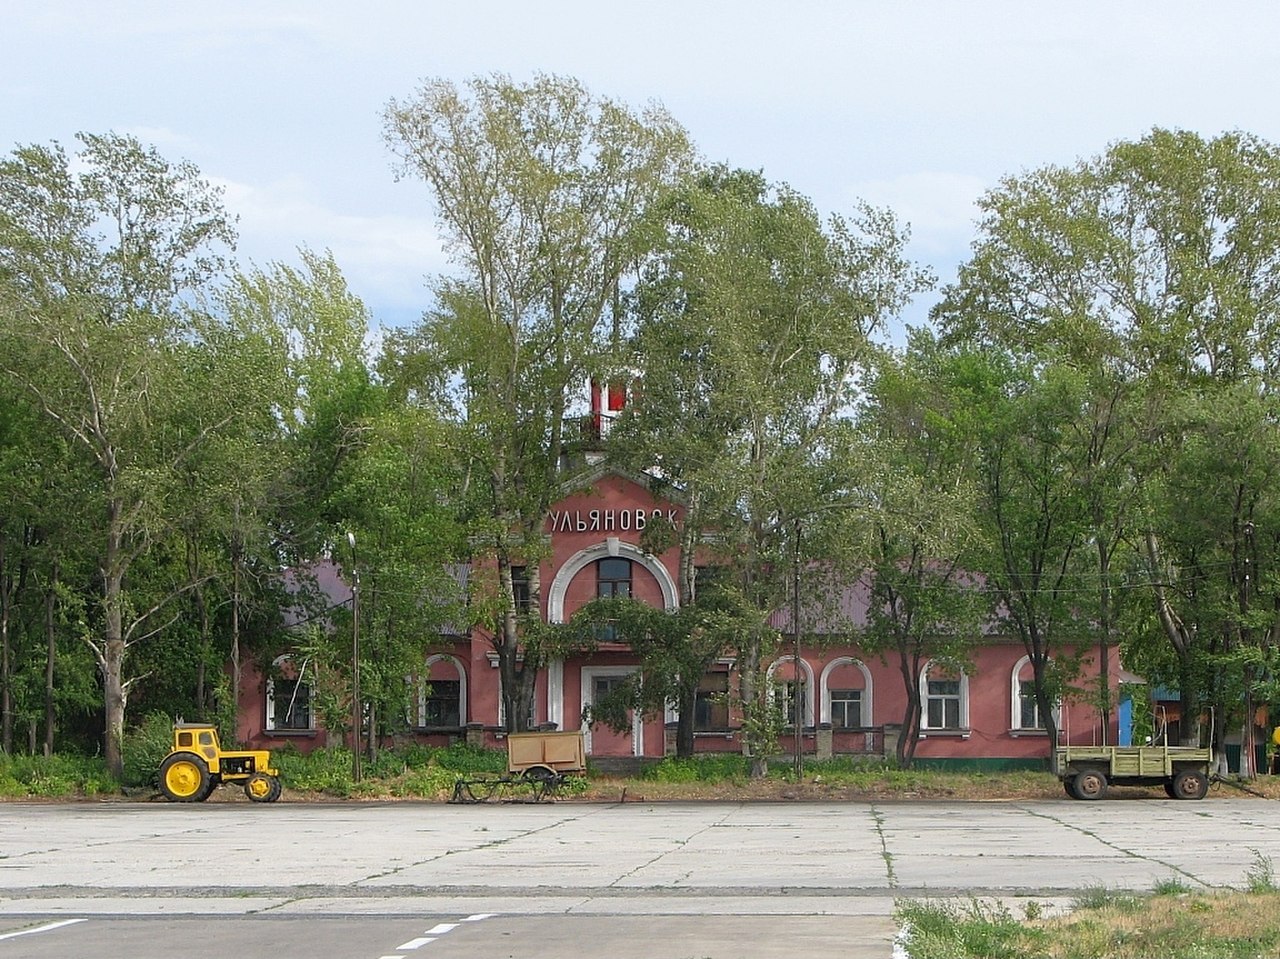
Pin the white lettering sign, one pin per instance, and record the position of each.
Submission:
(606, 520)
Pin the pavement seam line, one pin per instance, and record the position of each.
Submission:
(679, 844)
(1120, 849)
(885, 854)
(454, 852)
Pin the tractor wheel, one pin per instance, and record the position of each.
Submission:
(184, 778)
(1190, 784)
(277, 789)
(208, 790)
(262, 788)
(1089, 784)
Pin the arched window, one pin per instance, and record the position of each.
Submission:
(442, 694)
(846, 694)
(289, 695)
(1024, 714)
(784, 684)
(944, 698)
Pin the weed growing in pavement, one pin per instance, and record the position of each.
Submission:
(1261, 876)
(943, 930)
(1170, 886)
(1100, 897)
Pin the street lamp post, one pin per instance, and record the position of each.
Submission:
(357, 714)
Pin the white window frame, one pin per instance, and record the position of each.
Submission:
(589, 676)
(868, 716)
(1015, 703)
(808, 686)
(270, 722)
(963, 728)
(425, 681)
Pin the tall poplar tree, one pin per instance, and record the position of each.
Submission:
(542, 192)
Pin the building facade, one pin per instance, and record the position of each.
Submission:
(851, 703)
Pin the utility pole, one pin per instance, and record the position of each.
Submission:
(357, 714)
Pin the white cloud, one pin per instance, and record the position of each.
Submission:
(386, 258)
(940, 208)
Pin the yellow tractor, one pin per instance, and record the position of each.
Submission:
(197, 764)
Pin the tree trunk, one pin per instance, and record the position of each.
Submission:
(6, 673)
(684, 720)
(1104, 636)
(235, 637)
(51, 656)
(909, 737)
(111, 658)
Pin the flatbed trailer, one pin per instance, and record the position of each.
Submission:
(1184, 771)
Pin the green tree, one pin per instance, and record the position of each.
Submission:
(98, 256)
(542, 192)
(1151, 270)
(917, 533)
(753, 328)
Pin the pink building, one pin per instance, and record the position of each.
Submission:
(852, 703)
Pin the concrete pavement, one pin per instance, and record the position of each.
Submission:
(849, 860)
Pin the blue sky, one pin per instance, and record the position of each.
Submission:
(919, 106)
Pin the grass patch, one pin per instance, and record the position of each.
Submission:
(54, 777)
(1233, 924)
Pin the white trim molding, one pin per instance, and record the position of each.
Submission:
(269, 721)
(808, 685)
(1015, 702)
(426, 680)
(611, 547)
(588, 684)
(923, 681)
(825, 688)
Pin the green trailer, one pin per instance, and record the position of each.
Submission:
(1184, 771)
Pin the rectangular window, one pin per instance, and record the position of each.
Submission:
(605, 685)
(443, 703)
(942, 705)
(846, 708)
(1029, 708)
(613, 577)
(291, 704)
(711, 702)
(520, 588)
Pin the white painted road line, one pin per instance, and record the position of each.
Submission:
(478, 916)
(416, 943)
(441, 928)
(46, 928)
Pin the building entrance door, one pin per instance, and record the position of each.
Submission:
(601, 739)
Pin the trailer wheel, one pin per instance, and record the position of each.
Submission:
(1068, 786)
(184, 777)
(541, 774)
(1190, 784)
(1089, 784)
(1168, 789)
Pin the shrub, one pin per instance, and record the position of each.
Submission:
(144, 749)
(466, 759)
(715, 767)
(53, 776)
